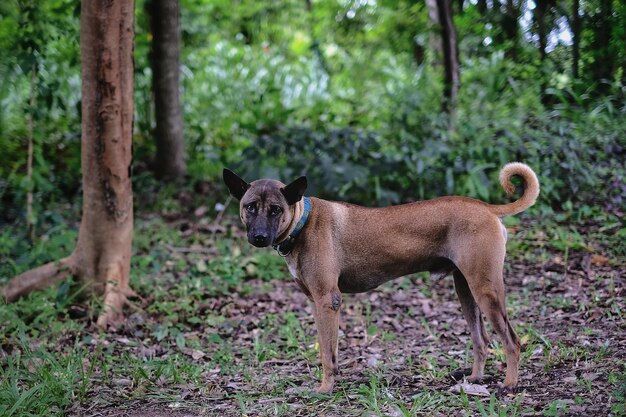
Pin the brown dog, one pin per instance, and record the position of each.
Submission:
(333, 248)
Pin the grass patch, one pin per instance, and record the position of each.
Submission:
(224, 331)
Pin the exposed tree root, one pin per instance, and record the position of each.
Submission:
(38, 278)
(112, 314)
(115, 299)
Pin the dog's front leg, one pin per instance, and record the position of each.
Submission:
(326, 309)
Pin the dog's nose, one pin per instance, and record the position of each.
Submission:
(260, 239)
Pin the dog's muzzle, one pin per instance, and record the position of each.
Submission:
(260, 240)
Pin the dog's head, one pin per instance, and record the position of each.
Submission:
(266, 206)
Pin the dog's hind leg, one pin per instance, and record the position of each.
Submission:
(488, 291)
(475, 322)
(493, 305)
(482, 268)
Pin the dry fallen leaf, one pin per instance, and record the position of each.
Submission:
(470, 389)
(200, 211)
(590, 376)
(524, 340)
(124, 382)
(373, 360)
(599, 260)
(197, 354)
(201, 265)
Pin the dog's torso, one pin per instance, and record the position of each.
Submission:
(360, 248)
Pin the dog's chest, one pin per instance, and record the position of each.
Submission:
(291, 265)
(293, 269)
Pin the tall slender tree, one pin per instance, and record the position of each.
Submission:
(509, 22)
(543, 19)
(101, 258)
(482, 7)
(575, 26)
(603, 64)
(434, 26)
(452, 67)
(165, 61)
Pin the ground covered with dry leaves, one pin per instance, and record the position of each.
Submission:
(222, 330)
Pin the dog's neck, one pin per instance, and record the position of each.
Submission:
(297, 211)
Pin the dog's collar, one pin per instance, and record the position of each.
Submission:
(285, 247)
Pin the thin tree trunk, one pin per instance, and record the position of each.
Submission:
(101, 258)
(603, 64)
(452, 71)
(481, 5)
(30, 221)
(541, 7)
(510, 27)
(434, 37)
(165, 25)
(460, 5)
(576, 27)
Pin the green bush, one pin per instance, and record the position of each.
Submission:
(341, 99)
(574, 149)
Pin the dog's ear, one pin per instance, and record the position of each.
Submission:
(294, 191)
(236, 185)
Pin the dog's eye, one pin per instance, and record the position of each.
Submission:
(251, 208)
(275, 210)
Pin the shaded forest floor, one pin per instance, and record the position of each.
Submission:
(223, 330)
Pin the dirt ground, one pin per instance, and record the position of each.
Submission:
(410, 334)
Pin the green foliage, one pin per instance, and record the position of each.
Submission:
(35, 378)
(416, 156)
(18, 254)
(360, 122)
(619, 395)
(348, 93)
(41, 383)
(39, 57)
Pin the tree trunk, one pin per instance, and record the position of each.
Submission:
(434, 37)
(30, 218)
(101, 259)
(165, 25)
(481, 5)
(541, 7)
(576, 28)
(451, 64)
(510, 27)
(460, 5)
(603, 64)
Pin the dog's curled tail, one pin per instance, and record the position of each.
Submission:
(531, 189)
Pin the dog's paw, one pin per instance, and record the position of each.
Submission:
(324, 389)
(503, 390)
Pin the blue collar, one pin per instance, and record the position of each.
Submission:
(285, 247)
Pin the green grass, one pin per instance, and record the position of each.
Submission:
(200, 341)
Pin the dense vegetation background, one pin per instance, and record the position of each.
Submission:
(348, 92)
(351, 93)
